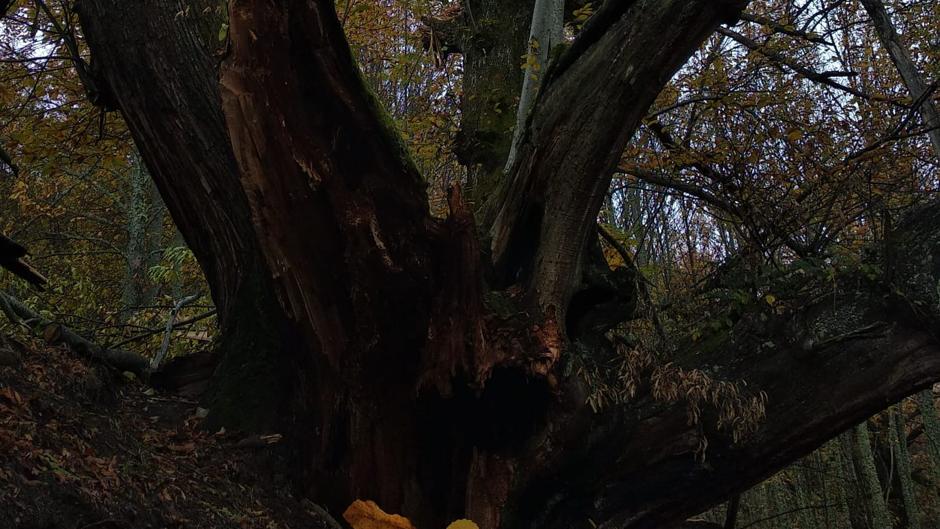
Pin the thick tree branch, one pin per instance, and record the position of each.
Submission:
(589, 107)
(182, 138)
(546, 33)
(820, 373)
(493, 41)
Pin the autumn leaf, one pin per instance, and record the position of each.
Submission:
(367, 515)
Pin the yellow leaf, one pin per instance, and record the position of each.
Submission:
(463, 524)
(770, 299)
(368, 515)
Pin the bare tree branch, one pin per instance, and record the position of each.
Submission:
(825, 78)
(780, 28)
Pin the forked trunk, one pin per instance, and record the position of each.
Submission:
(405, 368)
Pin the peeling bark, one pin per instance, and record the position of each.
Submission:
(344, 233)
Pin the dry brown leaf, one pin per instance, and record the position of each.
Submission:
(368, 515)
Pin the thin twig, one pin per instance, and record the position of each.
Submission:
(181, 323)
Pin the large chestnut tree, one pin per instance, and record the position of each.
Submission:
(426, 363)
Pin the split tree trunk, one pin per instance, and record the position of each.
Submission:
(402, 370)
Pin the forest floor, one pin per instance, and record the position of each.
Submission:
(84, 447)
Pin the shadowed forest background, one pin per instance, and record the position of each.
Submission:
(780, 176)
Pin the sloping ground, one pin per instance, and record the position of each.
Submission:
(82, 447)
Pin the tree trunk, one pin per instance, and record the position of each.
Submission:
(153, 234)
(858, 514)
(404, 367)
(547, 32)
(493, 52)
(902, 458)
(135, 254)
(861, 448)
(902, 61)
(834, 480)
(543, 215)
(168, 94)
(145, 213)
(806, 500)
(928, 415)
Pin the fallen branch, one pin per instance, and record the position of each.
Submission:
(55, 333)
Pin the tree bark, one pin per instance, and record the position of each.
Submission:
(834, 480)
(143, 210)
(858, 514)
